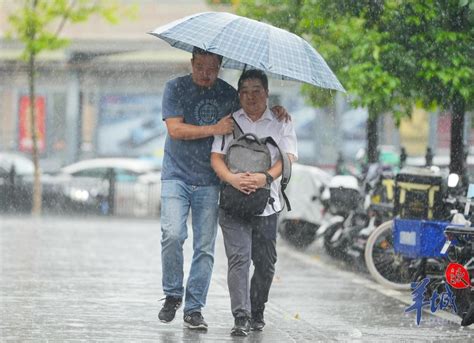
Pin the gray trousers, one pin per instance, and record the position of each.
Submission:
(249, 240)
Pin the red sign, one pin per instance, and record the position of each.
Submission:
(457, 276)
(25, 139)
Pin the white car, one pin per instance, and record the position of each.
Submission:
(136, 191)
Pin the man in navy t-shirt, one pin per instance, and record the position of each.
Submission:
(187, 154)
(195, 108)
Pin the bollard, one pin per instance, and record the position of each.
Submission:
(339, 164)
(429, 157)
(403, 157)
(111, 196)
(11, 194)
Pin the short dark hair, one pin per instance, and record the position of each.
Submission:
(253, 74)
(199, 51)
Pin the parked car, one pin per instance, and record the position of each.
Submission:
(16, 173)
(89, 185)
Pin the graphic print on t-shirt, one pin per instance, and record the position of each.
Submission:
(205, 112)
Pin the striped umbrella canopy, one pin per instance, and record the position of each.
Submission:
(246, 43)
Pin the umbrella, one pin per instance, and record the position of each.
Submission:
(246, 43)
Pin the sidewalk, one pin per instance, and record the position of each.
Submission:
(99, 280)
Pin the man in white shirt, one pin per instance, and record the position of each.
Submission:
(252, 239)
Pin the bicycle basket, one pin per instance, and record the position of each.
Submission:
(419, 238)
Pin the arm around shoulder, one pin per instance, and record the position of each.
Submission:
(178, 129)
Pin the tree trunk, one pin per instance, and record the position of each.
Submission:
(457, 135)
(36, 209)
(372, 137)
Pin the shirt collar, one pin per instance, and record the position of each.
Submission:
(267, 115)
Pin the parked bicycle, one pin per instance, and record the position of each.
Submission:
(422, 208)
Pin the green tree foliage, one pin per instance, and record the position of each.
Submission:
(388, 54)
(436, 39)
(222, 2)
(281, 13)
(38, 25)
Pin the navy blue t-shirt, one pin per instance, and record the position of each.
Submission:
(189, 160)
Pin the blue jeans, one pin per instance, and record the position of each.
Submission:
(177, 198)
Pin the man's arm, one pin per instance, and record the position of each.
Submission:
(178, 129)
(219, 166)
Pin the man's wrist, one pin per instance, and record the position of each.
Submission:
(212, 129)
(269, 178)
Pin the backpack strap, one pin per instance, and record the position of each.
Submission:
(237, 129)
(236, 133)
(286, 171)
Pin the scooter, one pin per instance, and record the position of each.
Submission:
(344, 203)
(459, 250)
(368, 207)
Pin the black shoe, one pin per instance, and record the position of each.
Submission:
(257, 323)
(241, 327)
(168, 311)
(195, 321)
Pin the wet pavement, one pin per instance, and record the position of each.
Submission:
(80, 279)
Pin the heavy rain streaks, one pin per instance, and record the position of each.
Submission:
(81, 229)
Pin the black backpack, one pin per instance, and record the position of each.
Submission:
(248, 153)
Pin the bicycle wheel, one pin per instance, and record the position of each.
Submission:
(386, 267)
